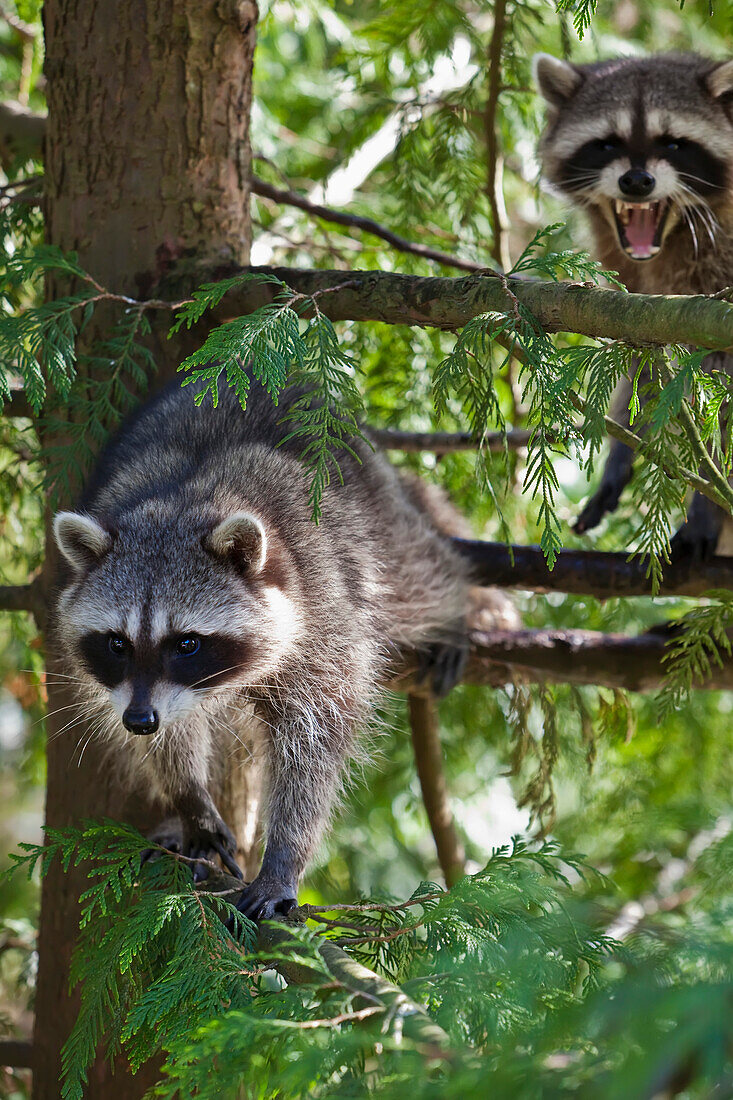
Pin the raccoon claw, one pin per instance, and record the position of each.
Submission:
(267, 899)
(200, 844)
(442, 666)
(206, 844)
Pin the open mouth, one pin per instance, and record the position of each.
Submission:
(640, 226)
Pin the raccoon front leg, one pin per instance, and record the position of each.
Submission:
(617, 470)
(616, 476)
(305, 758)
(697, 539)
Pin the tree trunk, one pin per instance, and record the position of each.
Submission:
(147, 166)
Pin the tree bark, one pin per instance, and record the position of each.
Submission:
(630, 662)
(147, 161)
(598, 573)
(425, 733)
(449, 303)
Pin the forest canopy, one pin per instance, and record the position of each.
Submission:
(584, 945)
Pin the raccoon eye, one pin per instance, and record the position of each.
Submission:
(608, 144)
(671, 144)
(188, 646)
(118, 645)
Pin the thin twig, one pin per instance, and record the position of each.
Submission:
(26, 30)
(366, 225)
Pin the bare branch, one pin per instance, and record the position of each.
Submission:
(588, 572)
(367, 225)
(17, 1053)
(18, 406)
(494, 163)
(443, 443)
(26, 30)
(568, 657)
(24, 597)
(423, 716)
(21, 132)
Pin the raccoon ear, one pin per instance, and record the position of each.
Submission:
(557, 80)
(719, 81)
(81, 540)
(242, 538)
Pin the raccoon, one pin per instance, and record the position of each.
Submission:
(645, 148)
(198, 597)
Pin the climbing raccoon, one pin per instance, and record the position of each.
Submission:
(645, 148)
(198, 594)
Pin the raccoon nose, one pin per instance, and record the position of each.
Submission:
(140, 720)
(637, 183)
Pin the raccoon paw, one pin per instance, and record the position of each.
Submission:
(168, 835)
(442, 666)
(195, 843)
(267, 899)
(207, 844)
(602, 502)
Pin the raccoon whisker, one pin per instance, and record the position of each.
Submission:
(708, 222)
(699, 179)
(53, 713)
(157, 742)
(92, 735)
(691, 226)
(697, 209)
(685, 212)
(74, 722)
(55, 677)
(92, 732)
(219, 672)
(223, 726)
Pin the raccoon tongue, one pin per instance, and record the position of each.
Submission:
(640, 229)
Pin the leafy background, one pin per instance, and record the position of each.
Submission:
(381, 109)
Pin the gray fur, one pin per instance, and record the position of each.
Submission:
(685, 96)
(323, 608)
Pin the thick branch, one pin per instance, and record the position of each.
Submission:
(588, 572)
(18, 405)
(366, 225)
(447, 303)
(577, 657)
(17, 1053)
(568, 657)
(425, 735)
(21, 132)
(416, 1023)
(23, 597)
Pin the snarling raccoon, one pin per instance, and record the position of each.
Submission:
(645, 147)
(199, 595)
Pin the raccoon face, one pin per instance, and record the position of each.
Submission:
(162, 624)
(646, 142)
